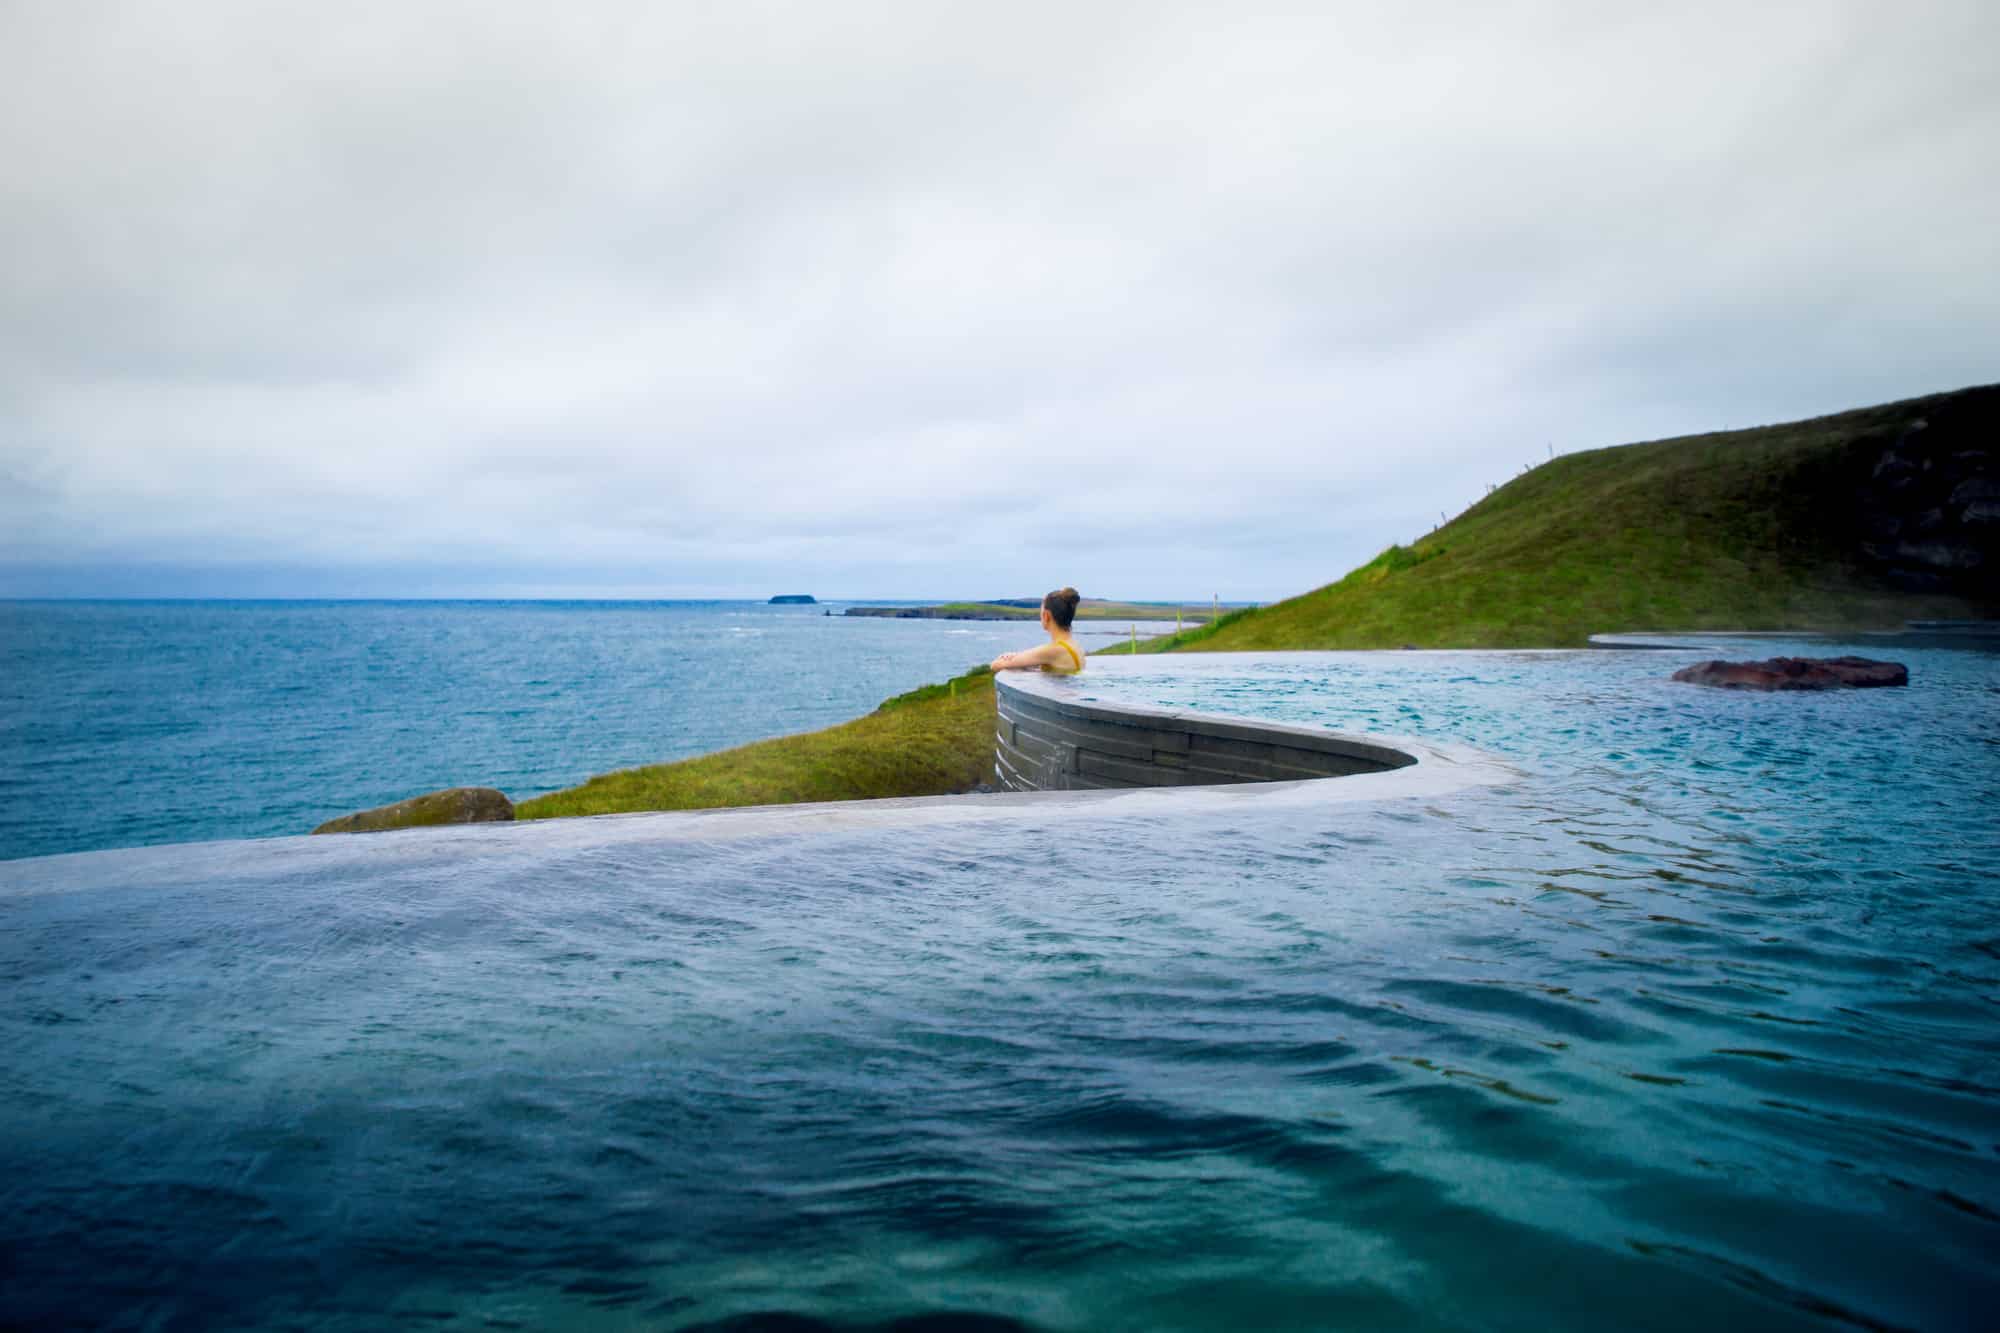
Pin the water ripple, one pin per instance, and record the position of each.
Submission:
(1642, 1041)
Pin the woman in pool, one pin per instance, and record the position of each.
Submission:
(1060, 654)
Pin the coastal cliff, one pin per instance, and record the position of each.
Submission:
(1861, 520)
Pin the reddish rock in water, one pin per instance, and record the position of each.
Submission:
(1796, 673)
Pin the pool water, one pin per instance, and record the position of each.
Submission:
(1694, 1023)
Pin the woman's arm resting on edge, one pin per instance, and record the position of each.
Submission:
(1028, 659)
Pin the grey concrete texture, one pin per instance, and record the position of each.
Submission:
(1050, 735)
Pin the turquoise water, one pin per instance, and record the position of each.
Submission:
(1695, 1024)
(123, 723)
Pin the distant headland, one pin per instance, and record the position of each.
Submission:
(794, 599)
(1029, 608)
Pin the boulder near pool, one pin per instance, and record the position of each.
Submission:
(1796, 673)
(1624, 1005)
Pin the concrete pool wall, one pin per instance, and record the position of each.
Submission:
(1411, 768)
(1047, 737)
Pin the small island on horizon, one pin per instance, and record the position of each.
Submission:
(794, 599)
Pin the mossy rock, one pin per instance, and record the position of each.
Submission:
(454, 805)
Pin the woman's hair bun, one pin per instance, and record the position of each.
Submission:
(1061, 604)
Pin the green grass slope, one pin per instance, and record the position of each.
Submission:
(933, 741)
(1749, 529)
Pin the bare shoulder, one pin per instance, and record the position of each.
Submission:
(1039, 655)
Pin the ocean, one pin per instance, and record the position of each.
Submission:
(124, 723)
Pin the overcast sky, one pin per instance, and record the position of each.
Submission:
(934, 299)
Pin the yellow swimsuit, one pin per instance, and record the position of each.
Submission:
(1075, 656)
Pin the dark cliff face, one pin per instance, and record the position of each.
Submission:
(1926, 499)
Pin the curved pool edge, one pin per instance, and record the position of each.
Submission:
(1440, 770)
(1050, 734)
(1054, 738)
(1434, 769)
(1695, 640)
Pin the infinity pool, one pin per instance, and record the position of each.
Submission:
(1691, 1020)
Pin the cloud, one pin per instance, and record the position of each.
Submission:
(929, 300)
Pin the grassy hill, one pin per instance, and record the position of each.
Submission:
(930, 742)
(1748, 529)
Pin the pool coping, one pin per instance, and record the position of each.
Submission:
(1052, 738)
(1050, 735)
(1437, 769)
